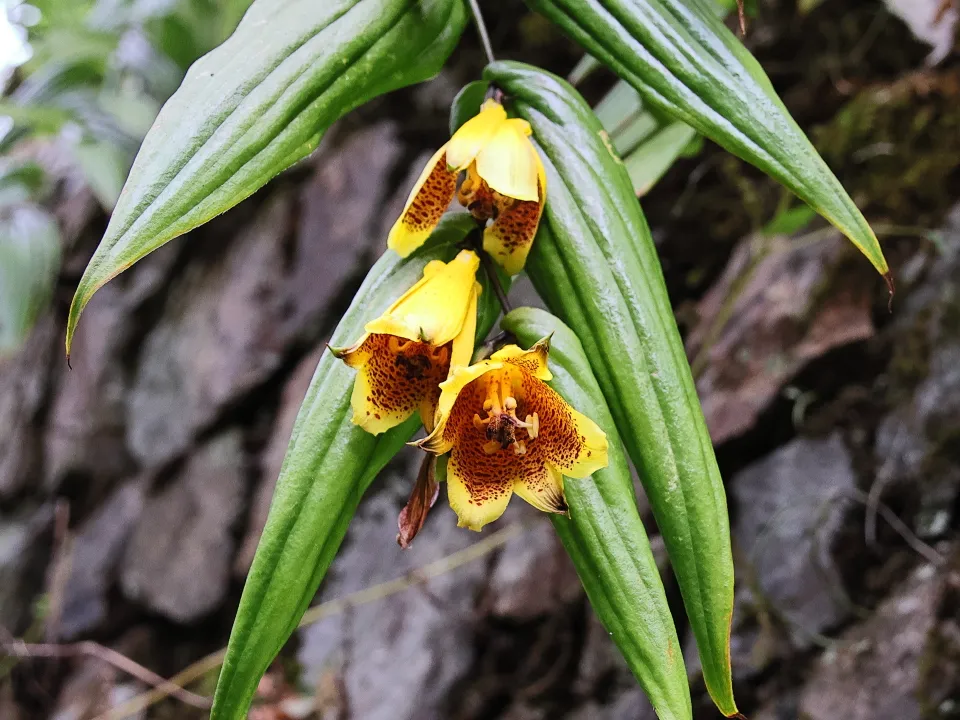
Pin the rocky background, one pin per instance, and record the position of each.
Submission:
(133, 488)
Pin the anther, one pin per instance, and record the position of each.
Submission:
(533, 426)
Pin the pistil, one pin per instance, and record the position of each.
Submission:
(501, 424)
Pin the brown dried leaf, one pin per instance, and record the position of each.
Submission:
(424, 495)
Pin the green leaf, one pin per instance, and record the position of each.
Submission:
(329, 464)
(104, 166)
(467, 103)
(20, 181)
(586, 66)
(648, 141)
(789, 221)
(648, 162)
(618, 107)
(257, 104)
(595, 265)
(29, 262)
(682, 60)
(604, 534)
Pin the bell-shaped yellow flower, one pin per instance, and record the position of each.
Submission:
(410, 349)
(508, 432)
(505, 182)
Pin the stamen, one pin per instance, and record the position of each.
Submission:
(476, 196)
(500, 425)
(532, 426)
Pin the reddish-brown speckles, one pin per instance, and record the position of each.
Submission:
(516, 226)
(532, 362)
(432, 199)
(402, 373)
(509, 238)
(488, 476)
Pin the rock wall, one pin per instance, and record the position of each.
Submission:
(133, 488)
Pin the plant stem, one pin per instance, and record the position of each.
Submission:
(482, 30)
(493, 344)
(491, 271)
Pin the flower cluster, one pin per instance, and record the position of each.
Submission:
(505, 429)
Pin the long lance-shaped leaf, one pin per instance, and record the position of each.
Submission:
(258, 103)
(682, 59)
(604, 534)
(29, 262)
(329, 464)
(595, 265)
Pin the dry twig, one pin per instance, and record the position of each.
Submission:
(19, 649)
(330, 608)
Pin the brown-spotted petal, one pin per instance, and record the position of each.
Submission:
(426, 204)
(509, 238)
(396, 378)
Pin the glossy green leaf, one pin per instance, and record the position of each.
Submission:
(29, 262)
(329, 464)
(683, 60)
(467, 103)
(595, 265)
(604, 534)
(258, 103)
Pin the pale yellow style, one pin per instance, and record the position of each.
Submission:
(508, 432)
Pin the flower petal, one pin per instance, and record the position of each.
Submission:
(426, 204)
(479, 486)
(394, 380)
(434, 310)
(451, 415)
(534, 360)
(474, 134)
(355, 355)
(509, 238)
(463, 343)
(593, 448)
(567, 439)
(543, 489)
(508, 162)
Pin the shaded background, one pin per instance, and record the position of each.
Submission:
(133, 489)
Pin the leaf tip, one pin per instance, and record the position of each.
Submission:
(891, 288)
(76, 308)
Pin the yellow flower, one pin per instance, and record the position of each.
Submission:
(409, 350)
(508, 432)
(505, 182)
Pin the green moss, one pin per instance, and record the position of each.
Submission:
(895, 148)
